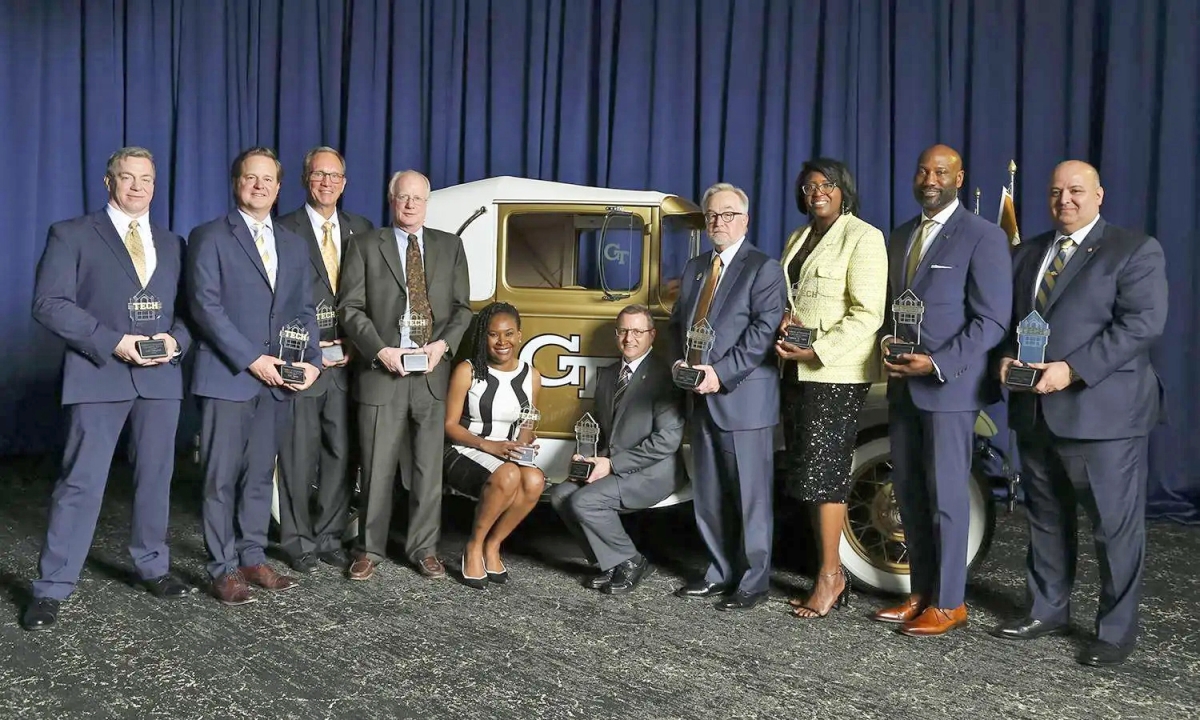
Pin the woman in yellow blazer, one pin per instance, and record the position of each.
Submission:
(837, 273)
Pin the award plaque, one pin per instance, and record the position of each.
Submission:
(414, 333)
(1033, 333)
(327, 324)
(523, 432)
(587, 443)
(801, 337)
(144, 312)
(907, 312)
(700, 339)
(293, 338)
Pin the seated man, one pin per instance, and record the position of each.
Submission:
(637, 407)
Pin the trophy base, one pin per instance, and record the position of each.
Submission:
(526, 456)
(291, 374)
(896, 349)
(333, 353)
(415, 362)
(152, 349)
(688, 378)
(1022, 377)
(801, 337)
(580, 471)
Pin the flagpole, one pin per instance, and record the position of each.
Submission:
(1012, 179)
(977, 201)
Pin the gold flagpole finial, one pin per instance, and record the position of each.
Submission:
(1012, 178)
(977, 194)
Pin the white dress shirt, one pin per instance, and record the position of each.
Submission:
(634, 364)
(1078, 236)
(402, 246)
(726, 258)
(268, 237)
(318, 226)
(939, 222)
(121, 222)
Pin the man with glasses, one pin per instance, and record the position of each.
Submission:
(416, 275)
(735, 294)
(317, 450)
(641, 424)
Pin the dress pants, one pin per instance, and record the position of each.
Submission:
(592, 513)
(92, 433)
(315, 452)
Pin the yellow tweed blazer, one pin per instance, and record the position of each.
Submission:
(842, 292)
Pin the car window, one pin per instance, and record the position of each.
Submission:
(583, 251)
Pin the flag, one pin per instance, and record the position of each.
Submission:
(1008, 218)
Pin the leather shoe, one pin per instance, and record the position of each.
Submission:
(231, 589)
(627, 575)
(1028, 628)
(597, 582)
(336, 557)
(431, 567)
(701, 589)
(741, 601)
(1101, 654)
(935, 621)
(362, 568)
(304, 562)
(264, 576)
(167, 587)
(41, 614)
(901, 613)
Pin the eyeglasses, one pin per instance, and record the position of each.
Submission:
(711, 217)
(637, 333)
(321, 175)
(824, 188)
(406, 199)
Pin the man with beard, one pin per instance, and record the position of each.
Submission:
(957, 265)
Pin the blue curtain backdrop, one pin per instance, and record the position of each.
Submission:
(663, 94)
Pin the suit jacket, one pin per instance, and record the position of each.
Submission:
(965, 281)
(841, 291)
(643, 438)
(349, 225)
(85, 280)
(374, 296)
(745, 314)
(1107, 308)
(237, 316)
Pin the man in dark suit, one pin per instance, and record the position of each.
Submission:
(419, 275)
(249, 280)
(317, 449)
(642, 427)
(1083, 428)
(958, 265)
(93, 271)
(738, 292)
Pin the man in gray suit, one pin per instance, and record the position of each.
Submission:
(417, 274)
(1083, 429)
(740, 293)
(642, 428)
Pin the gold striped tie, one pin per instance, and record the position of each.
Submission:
(260, 242)
(329, 255)
(137, 253)
(1052, 273)
(914, 252)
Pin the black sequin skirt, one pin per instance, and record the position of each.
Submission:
(819, 426)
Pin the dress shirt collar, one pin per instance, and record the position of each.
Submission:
(728, 253)
(942, 217)
(1079, 235)
(251, 222)
(634, 364)
(318, 221)
(121, 221)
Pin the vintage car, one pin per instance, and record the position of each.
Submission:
(569, 257)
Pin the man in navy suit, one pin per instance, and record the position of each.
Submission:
(248, 281)
(957, 264)
(317, 450)
(739, 291)
(92, 271)
(1083, 429)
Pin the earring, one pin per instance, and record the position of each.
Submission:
(843, 207)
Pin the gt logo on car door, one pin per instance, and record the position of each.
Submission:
(578, 370)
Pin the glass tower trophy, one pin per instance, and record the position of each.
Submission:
(700, 339)
(327, 324)
(587, 444)
(523, 433)
(293, 338)
(414, 333)
(1033, 333)
(798, 335)
(144, 312)
(907, 313)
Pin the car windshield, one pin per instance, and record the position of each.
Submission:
(680, 241)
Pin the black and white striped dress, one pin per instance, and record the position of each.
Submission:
(492, 407)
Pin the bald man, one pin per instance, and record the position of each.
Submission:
(958, 265)
(1083, 428)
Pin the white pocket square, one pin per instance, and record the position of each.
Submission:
(941, 267)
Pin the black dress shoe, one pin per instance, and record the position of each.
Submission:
(741, 601)
(1028, 628)
(167, 587)
(627, 575)
(304, 562)
(701, 589)
(336, 557)
(1101, 654)
(41, 614)
(597, 582)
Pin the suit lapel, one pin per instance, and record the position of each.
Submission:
(109, 234)
(1082, 255)
(431, 257)
(347, 233)
(306, 232)
(833, 238)
(1027, 280)
(604, 401)
(897, 250)
(238, 227)
(634, 382)
(164, 256)
(727, 281)
(941, 245)
(391, 255)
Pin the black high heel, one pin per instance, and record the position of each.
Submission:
(497, 577)
(843, 598)
(479, 583)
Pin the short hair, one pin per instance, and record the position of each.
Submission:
(725, 187)
(396, 178)
(637, 310)
(235, 171)
(131, 151)
(836, 172)
(308, 159)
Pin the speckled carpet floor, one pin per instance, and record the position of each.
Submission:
(543, 647)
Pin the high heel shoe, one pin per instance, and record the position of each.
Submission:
(843, 598)
(497, 577)
(479, 583)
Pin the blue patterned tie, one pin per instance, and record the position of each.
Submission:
(1052, 273)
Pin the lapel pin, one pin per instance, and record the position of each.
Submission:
(1091, 249)
(699, 275)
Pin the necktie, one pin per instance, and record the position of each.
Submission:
(137, 253)
(260, 242)
(329, 255)
(914, 252)
(705, 303)
(1052, 273)
(622, 386)
(418, 296)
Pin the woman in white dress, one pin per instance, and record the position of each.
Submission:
(483, 406)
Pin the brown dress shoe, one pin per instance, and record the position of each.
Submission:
(901, 613)
(362, 568)
(231, 589)
(431, 567)
(265, 577)
(935, 621)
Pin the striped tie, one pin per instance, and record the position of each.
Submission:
(137, 253)
(1052, 273)
(914, 252)
(622, 386)
(260, 242)
(329, 255)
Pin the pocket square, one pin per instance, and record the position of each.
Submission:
(941, 267)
